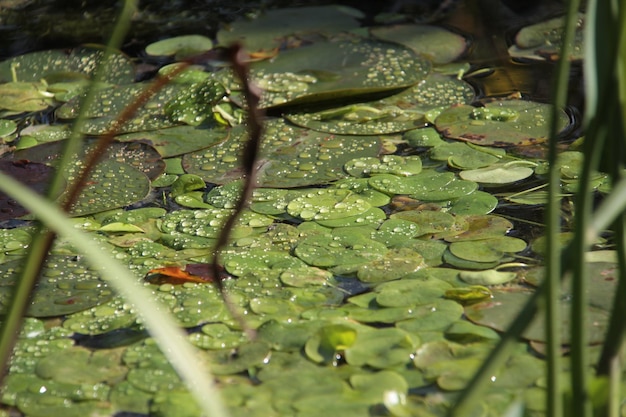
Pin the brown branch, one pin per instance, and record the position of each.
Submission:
(252, 95)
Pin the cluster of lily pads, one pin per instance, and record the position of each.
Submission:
(366, 247)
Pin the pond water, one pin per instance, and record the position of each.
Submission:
(395, 228)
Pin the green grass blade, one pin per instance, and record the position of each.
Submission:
(171, 339)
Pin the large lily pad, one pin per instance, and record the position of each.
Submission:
(439, 44)
(66, 285)
(332, 70)
(397, 113)
(48, 64)
(290, 156)
(286, 27)
(542, 41)
(499, 123)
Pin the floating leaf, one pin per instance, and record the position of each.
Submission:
(48, 64)
(181, 46)
(331, 70)
(66, 286)
(543, 40)
(439, 44)
(499, 174)
(275, 28)
(499, 123)
(290, 156)
(25, 97)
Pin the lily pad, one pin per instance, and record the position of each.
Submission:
(181, 46)
(333, 70)
(327, 204)
(382, 348)
(110, 185)
(499, 174)
(48, 64)
(348, 251)
(179, 140)
(499, 311)
(290, 156)
(25, 96)
(396, 113)
(66, 285)
(387, 164)
(542, 41)
(288, 26)
(437, 43)
(487, 250)
(500, 123)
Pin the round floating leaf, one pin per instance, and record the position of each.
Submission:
(273, 28)
(488, 277)
(66, 286)
(487, 250)
(543, 40)
(427, 186)
(396, 113)
(332, 70)
(48, 64)
(110, 102)
(410, 292)
(382, 348)
(290, 156)
(387, 164)
(25, 97)
(439, 44)
(499, 311)
(347, 250)
(434, 316)
(195, 104)
(139, 155)
(323, 345)
(110, 185)
(181, 46)
(327, 204)
(483, 227)
(429, 222)
(395, 264)
(499, 123)
(500, 173)
(478, 202)
(81, 366)
(463, 156)
(179, 140)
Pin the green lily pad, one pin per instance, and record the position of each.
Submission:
(348, 251)
(104, 318)
(66, 286)
(179, 140)
(332, 70)
(110, 185)
(181, 46)
(394, 264)
(482, 227)
(463, 156)
(499, 311)
(387, 164)
(48, 64)
(273, 28)
(327, 204)
(195, 104)
(382, 348)
(541, 41)
(488, 277)
(434, 316)
(139, 155)
(437, 43)
(290, 156)
(478, 202)
(499, 174)
(323, 346)
(499, 123)
(81, 366)
(486, 250)
(427, 186)
(25, 96)
(110, 102)
(396, 113)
